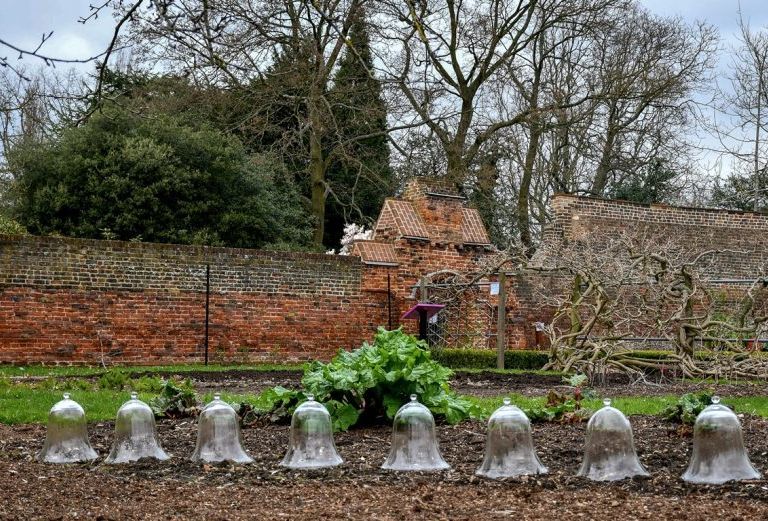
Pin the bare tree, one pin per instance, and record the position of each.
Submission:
(446, 58)
(636, 285)
(636, 75)
(745, 112)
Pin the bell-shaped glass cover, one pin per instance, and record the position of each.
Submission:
(609, 452)
(509, 448)
(311, 441)
(218, 435)
(66, 440)
(135, 434)
(414, 440)
(718, 448)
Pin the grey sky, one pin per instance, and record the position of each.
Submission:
(22, 22)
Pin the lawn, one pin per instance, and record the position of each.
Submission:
(30, 403)
(87, 371)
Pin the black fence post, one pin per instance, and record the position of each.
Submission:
(207, 306)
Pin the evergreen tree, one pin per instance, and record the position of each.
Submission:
(737, 192)
(124, 176)
(360, 176)
(653, 184)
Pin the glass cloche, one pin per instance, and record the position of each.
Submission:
(609, 452)
(718, 448)
(66, 440)
(135, 434)
(509, 448)
(414, 440)
(218, 435)
(311, 441)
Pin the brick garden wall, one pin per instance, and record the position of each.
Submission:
(81, 301)
(84, 301)
(743, 234)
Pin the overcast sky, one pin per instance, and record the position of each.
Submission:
(22, 22)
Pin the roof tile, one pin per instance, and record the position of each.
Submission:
(472, 227)
(376, 252)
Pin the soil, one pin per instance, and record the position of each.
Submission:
(179, 489)
(484, 383)
(481, 384)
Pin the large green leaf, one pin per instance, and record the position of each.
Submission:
(375, 380)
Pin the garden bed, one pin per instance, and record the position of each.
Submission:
(482, 383)
(179, 489)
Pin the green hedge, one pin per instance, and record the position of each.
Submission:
(700, 355)
(533, 360)
(486, 359)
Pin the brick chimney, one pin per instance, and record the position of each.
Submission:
(439, 205)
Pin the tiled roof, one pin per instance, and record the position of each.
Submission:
(408, 222)
(376, 252)
(472, 227)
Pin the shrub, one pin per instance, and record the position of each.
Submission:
(113, 380)
(372, 382)
(486, 359)
(147, 384)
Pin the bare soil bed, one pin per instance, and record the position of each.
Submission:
(479, 384)
(179, 489)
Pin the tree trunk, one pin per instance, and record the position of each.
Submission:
(316, 175)
(456, 166)
(600, 181)
(523, 204)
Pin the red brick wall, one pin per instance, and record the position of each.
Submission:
(693, 230)
(81, 301)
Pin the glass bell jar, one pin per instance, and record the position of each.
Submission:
(135, 434)
(218, 435)
(66, 440)
(509, 448)
(414, 440)
(718, 448)
(311, 440)
(609, 452)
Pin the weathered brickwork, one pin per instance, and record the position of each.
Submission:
(738, 240)
(80, 301)
(84, 301)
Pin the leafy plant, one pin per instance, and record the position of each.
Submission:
(371, 383)
(176, 400)
(564, 407)
(687, 408)
(113, 380)
(64, 384)
(147, 384)
(559, 407)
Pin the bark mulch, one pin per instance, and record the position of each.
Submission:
(179, 489)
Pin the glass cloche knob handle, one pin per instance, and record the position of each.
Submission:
(413, 397)
(715, 400)
(310, 397)
(507, 401)
(217, 396)
(134, 395)
(607, 402)
(66, 396)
